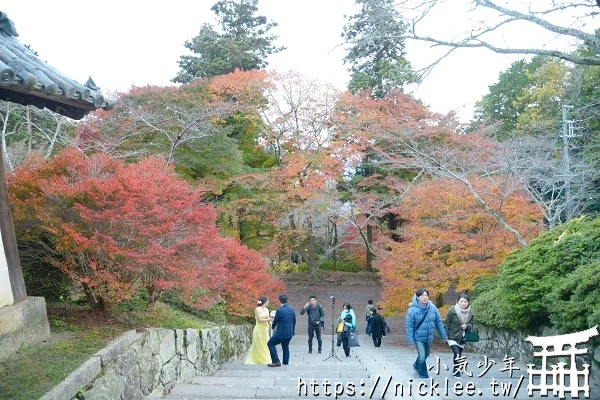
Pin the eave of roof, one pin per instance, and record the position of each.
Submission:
(27, 80)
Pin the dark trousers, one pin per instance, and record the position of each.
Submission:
(285, 347)
(376, 340)
(346, 345)
(312, 332)
(457, 350)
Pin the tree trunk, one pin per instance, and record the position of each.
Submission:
(312, 256)
(369, 252)
(54, 138)
(5, 157)
(495, 215)
(29, 130)
(93, 300)
(335, 243)
(240, 223)
(259, 226)
(151, 295)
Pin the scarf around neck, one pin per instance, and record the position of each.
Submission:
(463, 314)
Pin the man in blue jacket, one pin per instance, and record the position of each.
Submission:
(422, 318)
(284, 324)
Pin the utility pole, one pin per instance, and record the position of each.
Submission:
(568, 131)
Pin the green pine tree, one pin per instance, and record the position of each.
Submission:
(376, 54)
(244, 42)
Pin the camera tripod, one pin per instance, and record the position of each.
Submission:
(332, 354)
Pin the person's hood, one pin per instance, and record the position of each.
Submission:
(415, 303)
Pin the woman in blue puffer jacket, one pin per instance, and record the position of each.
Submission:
(422, 318)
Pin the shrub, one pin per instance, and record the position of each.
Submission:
(551, 281)
(286, 266)
(42, 278)
(488, 308)
(577, 299)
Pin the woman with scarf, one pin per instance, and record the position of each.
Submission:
(458, 321)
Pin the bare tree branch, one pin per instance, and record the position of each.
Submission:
(579, 12)
(534, 162)
(5, 157)
(443, 163)
(174, 123)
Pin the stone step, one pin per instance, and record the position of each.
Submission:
(411, 391)
(263, 382)
(340, 367)
(367, 370)
(190, 392)
(282, 371)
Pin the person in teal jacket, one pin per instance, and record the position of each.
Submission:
(350, 325)
(422, 318)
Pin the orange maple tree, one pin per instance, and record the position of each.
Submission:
(460, 213)
(243, 88)
(404, 135)
(117, 226)
(448, 240)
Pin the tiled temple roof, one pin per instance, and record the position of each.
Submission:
(27, 80)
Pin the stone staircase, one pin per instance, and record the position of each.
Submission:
(365, 374)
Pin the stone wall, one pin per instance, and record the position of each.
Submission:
(137, 365)
(496, 343)
(23, 324)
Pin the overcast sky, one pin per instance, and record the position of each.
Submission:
(129, 42)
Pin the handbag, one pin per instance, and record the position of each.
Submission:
(353, 340)
(340, 327)
(471, 336)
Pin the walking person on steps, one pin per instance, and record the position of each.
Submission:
(377, 327)
(349, 319)
(422, 319)
(459, 320)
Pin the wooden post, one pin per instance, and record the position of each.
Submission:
(9, 240)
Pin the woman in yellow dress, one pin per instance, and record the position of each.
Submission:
(259, 352)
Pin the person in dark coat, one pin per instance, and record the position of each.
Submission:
(459, 320)
(316, 322)
(368, 316)
(377, 327)
(284, 324)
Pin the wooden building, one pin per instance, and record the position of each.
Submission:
(26, 79)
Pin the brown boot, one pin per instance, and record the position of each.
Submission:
(274, 364)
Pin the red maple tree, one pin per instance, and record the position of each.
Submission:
(120, 225)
